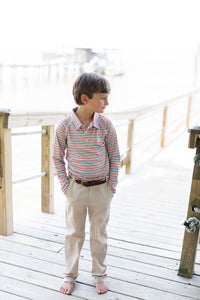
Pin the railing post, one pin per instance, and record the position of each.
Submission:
(129, 145)
(188, 112)
(6, 208)
(47, 189)
(164, 122)
(190, 241)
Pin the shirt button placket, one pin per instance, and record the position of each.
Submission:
(86, 131)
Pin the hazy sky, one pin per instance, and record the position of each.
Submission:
(149, 26)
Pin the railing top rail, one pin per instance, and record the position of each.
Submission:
(25, 119)
(147, 109)
(35, 119)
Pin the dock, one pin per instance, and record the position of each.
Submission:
(145, 236)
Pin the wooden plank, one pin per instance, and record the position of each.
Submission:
(157, 287)
(47, 182)
(48, 272)
(35, 119)
(148, 220)
(117, 287)
(6, 210)
(30, 291)
(129, 258)
(115, 246)
(116, 233)
(56, 258)
(140, 263)
(142, 238)
(52, 229)
(114, 254)
(8, 296)
(35, 242)
(166, 235)
(163, 229)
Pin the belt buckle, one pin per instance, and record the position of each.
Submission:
(83, 181)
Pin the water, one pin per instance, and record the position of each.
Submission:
(147, 80)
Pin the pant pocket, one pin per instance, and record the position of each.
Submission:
(110, 192)
(69, 188)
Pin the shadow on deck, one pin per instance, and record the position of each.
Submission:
(145, 240)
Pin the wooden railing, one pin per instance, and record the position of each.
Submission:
(134, 136)
(151, 128)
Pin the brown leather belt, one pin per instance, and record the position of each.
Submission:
(90, 182)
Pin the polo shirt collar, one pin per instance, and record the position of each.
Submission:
(78, 124)
(75, 119)
(95, 121)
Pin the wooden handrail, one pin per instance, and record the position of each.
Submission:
(34, 119)
(51, 118)
(133, 114)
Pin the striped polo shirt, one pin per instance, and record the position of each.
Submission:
(91, 152)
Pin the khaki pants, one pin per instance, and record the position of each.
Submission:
(96, 200)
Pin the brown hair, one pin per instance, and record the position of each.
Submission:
(89, 83)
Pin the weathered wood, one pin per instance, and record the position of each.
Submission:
(115, 261)
(35, 119)
(57, 236)
(47, 188)
(48, 272)
(190, 241)
(164, 123)
(194, 135)
(129, 146)
(6, 211)
(30, 291)
(7, 296)
(188, 112)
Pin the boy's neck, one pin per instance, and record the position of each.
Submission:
(85, 116)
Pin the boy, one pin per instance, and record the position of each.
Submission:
(88, 141)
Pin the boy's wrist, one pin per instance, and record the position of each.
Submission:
(65, 187)
(112, 188)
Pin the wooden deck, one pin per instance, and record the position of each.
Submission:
(145, 239)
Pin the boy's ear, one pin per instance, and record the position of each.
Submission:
(84, 98)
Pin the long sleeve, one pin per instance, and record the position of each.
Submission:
(60, 148)
(114, 156)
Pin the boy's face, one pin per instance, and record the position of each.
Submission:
(98, 102)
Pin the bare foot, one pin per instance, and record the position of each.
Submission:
(66, 288)
(101, 287)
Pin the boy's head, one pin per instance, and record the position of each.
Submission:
(89, 84)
